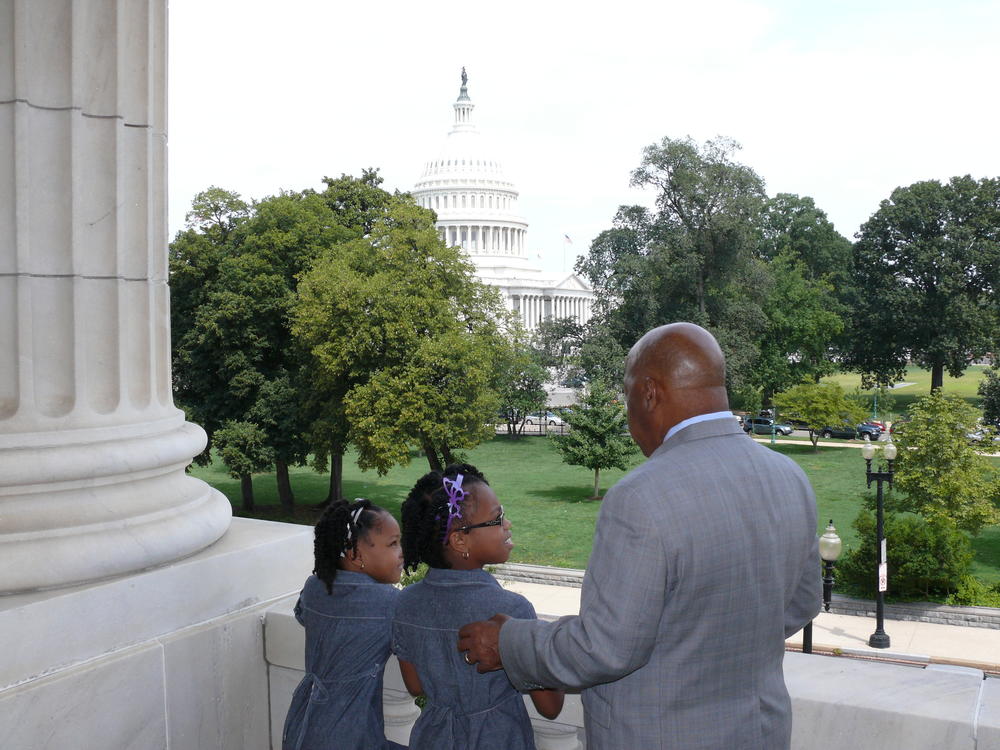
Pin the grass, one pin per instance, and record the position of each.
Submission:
(547, 500)
(965, 386)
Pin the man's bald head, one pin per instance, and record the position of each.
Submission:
(674, 372)
(683, 354)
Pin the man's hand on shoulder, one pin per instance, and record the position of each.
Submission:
(481, 643)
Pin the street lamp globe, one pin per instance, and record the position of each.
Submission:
(890, 451)
(830, 544)
(868, 450)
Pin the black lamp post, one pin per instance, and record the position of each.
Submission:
(829, 550)
(879, 639)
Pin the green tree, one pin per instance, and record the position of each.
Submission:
(926, 273)
(365, 312)
(800, 326)
(819, 405)
(989, 389)
(518, 381)
(602, 357)
(233, 279)
(711, 201)
(598, 437)
(938, 472)
(216, 212)
(792, 224)
(438, 400)
(693, 259)
(244, 451)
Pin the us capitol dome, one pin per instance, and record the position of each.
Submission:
(477, 209)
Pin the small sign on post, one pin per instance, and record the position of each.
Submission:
(883, 569)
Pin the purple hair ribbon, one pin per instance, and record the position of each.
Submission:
(453, 488)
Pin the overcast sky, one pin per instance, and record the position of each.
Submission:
(842, 101)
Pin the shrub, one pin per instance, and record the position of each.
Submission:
(925, 558)
(974, 593)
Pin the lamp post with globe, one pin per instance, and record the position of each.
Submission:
(879, 639)
(829, 550)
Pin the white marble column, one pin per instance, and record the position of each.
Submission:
(92, 448)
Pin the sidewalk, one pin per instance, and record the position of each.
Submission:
(917, 642)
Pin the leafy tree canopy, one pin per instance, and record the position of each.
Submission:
(792, 224)
(819, 405)
(372, 313)
(801, 324)
(939, 473)
(926, 273)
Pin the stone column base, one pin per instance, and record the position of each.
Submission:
(86, 504)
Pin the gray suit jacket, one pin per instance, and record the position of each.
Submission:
(705, 559)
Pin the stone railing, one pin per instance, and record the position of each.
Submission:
(284, 651)
(837, 702)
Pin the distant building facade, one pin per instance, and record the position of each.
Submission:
(477, 209)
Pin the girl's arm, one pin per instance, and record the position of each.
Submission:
(412, 680)
(547, 702)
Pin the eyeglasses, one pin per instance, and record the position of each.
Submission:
(495, 522)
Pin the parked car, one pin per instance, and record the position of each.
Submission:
(763, 426)
(850, 431)
(544, 417)
(983, 434)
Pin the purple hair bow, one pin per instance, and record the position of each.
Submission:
(453, 488)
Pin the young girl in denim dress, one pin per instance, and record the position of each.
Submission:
(453, 522)
(346, 607)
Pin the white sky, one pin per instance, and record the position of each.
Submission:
(842, 102)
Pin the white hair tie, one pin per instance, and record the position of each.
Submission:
(351, 522)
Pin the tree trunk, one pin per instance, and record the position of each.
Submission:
(937, 375)
(285, 495)
(597, 484)
(446, 455)
(432, 456)
(337, 475)
(701, 293)
(814, 439)
(246, 490)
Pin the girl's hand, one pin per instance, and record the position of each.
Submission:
(410, 678)
(548, 702)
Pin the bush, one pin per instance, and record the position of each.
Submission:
(974, 593)
(925, 558)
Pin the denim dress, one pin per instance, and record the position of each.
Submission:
(465, 709)
(338, 704)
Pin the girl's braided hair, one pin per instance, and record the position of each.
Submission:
(425, 515)
(333, 541)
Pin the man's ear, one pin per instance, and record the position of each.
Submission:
(650, 392)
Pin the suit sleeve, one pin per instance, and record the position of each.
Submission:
(620, 609)
(808, 593)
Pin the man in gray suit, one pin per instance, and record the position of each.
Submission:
(705, 559)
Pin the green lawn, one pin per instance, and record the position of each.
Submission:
(547, 500)
(965, 386)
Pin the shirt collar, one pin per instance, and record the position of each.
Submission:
(452, 577)
(694, 420)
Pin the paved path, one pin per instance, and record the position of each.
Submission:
(918, 642)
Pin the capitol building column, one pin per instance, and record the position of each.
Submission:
(92, 449)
